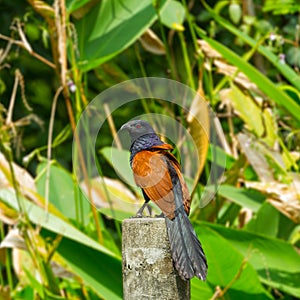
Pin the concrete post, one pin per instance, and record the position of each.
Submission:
(148, 271)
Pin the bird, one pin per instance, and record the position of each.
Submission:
(157, 172)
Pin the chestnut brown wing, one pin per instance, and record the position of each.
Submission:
(151, 173)
(185, 192)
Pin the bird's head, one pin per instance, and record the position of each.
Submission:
(137, 128)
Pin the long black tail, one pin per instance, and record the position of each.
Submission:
(187, 253)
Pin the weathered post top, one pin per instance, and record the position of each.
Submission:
(148, 271)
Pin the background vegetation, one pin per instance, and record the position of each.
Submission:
(243, 57)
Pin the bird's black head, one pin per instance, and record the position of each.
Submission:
(137, 128)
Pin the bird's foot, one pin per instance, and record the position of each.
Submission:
(137, 215)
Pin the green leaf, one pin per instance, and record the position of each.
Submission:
(64, 193)
(73, 5)
(103, 273)
(265, 84)
(227, 267)
(116, 214)
(110, 27)
(258, 120)
(37, 286)
(281, 7)
(173, 14)
(247, 109)
(293, 56)
(248, 198)
(266, 220)
(120, 158)
(86, 257)
(276, 261)
(284, 69)
(200, 290)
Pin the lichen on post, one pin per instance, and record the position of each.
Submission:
(148, 271)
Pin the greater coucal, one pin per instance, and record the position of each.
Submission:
(157, 172)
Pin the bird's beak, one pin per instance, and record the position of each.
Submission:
(125, 127)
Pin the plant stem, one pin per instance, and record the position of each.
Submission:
(186, 60)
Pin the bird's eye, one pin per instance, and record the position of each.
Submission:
(138, 126)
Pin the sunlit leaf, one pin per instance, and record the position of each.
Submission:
(246, 108)
(262, 254)
(110, 27)
(228, 267)
(266, 221)
(199, 123)
(64, 193)
(244, 197)
(86, 257)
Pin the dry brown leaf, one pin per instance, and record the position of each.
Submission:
(238, 77)
(13, 240)
(152, 43)
(208, 50)
(24, 179)
(284, 197)
(199, 122)
(8, 215)
(228, 70)
(257, 154)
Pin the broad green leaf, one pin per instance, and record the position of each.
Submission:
(103, 273)
(248, 198)
(266, 220)
(119, 159)
(51, 222)
(276, 261)
(200, 290)
(293, 56)
(64, 193)
(86, 257)
(227, 267)
(110, 27)
(265, 84)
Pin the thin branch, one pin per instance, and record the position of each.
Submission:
(49, 145)
(112, 126)
(34, 54)
(12, 100)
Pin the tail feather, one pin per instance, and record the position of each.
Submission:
(187, 253)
